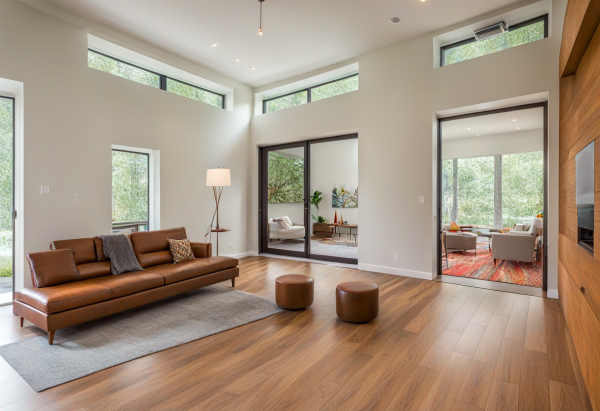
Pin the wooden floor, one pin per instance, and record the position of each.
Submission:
(434, 346)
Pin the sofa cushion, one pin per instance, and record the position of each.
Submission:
(83, 249)
(93, 270)
(64, 296)
(152, 247)
(174, 273)
(129, 283)
(50, 268)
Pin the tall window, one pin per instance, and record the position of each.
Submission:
(493, 191)
(308, 95)
(523, 33)
(7, 128)
(111, 65)
(130, 190)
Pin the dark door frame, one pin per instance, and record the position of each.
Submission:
(14, 213)
(544, 105)
(263, 205)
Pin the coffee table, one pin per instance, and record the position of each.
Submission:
(349, 238)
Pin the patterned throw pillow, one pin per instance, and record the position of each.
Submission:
(181, 250)
(454, 226)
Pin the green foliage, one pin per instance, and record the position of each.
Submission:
(288, 101)
(108, 65)
(320, 219)
(194, 93)
(6, 266)
(129, 186)
(522, 187)
(286, 179)
(316, 198)
(505, 41)
(318, 93)
(334, 89)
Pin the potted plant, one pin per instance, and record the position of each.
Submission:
(321, 226)
(316, 198)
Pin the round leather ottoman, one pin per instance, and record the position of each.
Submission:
(357, 301)
(294, 291)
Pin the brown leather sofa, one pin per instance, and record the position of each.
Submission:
(73, 284)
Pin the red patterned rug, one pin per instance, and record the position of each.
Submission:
(465, 264)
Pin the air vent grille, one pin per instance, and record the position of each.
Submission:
(491, 31)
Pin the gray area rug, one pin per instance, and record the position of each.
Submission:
(88, 348)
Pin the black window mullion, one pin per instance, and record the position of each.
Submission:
(309, 95)
(163, 82)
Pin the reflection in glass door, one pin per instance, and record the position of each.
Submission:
(284, 203)
(7, 117)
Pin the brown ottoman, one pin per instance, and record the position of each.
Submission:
(357, 301)
(294, 291)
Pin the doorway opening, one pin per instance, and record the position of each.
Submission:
(492, 195)
(309, 199)
(7, 210)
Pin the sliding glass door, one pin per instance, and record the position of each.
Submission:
(284, 200)
(7, 117)
(309, 199)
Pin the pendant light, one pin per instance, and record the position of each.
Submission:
(260, 32)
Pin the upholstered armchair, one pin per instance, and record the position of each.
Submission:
(511, 247)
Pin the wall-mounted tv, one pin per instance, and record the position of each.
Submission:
(584, 175)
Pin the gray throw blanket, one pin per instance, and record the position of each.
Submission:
(118, 249)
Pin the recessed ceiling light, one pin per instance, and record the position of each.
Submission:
(422, 1)
(468, 128)
(214, 45)
(395, 20)
(237, 60)
(477, 135)
(514, 119)
(518, 128)
(253, 68)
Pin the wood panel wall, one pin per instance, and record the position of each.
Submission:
(578, 270)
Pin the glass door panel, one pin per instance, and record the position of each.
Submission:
(283, 202)
(334, 199)
(6, 199)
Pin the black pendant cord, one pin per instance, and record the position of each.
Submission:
(260, 25)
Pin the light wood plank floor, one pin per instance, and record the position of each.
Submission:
(434, 346)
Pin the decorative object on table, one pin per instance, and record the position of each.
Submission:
(294, 291)
(341, 219)
(316, 198)
(357, 301)
(217, 178)
(181, 250)
(335, 218)
(344, 198)
(454, 227)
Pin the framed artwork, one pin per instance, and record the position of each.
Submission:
(344, 197)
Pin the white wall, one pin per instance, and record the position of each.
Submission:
(394, 114)
(334, 162)
(73, 115)
(497, 144)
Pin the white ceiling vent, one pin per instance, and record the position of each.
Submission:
(491, 31)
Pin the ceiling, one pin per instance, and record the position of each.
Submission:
(502, 123)
(299, 35)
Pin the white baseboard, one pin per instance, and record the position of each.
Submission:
(242, 255)
(552, 293)
(396, 271)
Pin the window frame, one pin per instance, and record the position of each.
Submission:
(308, 91)
(443, 49)
(162, 78)
(129, 224)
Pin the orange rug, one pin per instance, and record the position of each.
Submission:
(465, 264)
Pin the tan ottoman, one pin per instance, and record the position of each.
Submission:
(357, 301)
(294, 291)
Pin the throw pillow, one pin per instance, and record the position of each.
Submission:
(283, 222)
(454, 226)
(118, 249)
(181, 250)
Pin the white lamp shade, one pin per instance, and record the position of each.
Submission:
(218, 177)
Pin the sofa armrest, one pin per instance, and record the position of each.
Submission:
(201, 250)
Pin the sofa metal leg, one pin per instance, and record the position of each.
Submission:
(51, 337)
(494, 262)
(21, 321)
(233, 282)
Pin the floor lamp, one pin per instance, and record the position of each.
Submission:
(217, 178)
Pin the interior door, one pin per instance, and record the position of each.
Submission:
(283, 205)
